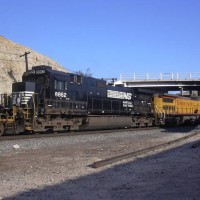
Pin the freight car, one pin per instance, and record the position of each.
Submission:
(175, 110)
(50, 100)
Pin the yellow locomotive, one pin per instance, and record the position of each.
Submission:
(174, 109)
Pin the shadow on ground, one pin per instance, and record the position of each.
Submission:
(181, 129)
(173, 174)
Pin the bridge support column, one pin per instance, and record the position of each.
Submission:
(181, 91)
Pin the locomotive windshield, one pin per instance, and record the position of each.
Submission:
(37, 76)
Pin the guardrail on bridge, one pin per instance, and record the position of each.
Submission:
(159, 76)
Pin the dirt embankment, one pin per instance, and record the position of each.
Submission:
(12, 66)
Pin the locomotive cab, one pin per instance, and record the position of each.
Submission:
(40, 76)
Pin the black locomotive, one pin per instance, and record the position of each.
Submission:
(50, 100)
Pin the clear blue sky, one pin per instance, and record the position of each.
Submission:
(108, 36)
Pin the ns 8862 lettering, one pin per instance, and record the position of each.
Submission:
(61, 94)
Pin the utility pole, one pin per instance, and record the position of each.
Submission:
(26, 59)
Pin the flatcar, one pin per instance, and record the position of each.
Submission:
(172, 109)
(51, 100)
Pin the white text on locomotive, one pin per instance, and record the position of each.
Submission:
(61, 94)
(119, 95)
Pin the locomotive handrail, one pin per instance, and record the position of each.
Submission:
(159, 76)
(157, 111)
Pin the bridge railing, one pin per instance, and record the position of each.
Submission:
(159, 76)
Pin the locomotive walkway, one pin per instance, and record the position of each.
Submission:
(161, 81)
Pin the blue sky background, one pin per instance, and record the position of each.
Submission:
(108, 36)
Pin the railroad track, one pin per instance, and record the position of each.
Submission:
(51, 135)
(122, 157)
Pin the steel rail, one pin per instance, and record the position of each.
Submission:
(76, 133)
(122, 157)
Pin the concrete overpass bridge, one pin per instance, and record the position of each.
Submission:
(162, 82)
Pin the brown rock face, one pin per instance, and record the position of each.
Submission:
(12, 66)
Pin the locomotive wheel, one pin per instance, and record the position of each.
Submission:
(2, 129)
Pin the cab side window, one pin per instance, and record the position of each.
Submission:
(60, 85)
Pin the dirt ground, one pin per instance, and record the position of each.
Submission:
(65, 173)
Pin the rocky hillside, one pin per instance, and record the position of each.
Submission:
(12, 66)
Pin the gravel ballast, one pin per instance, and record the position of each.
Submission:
(59, 167)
